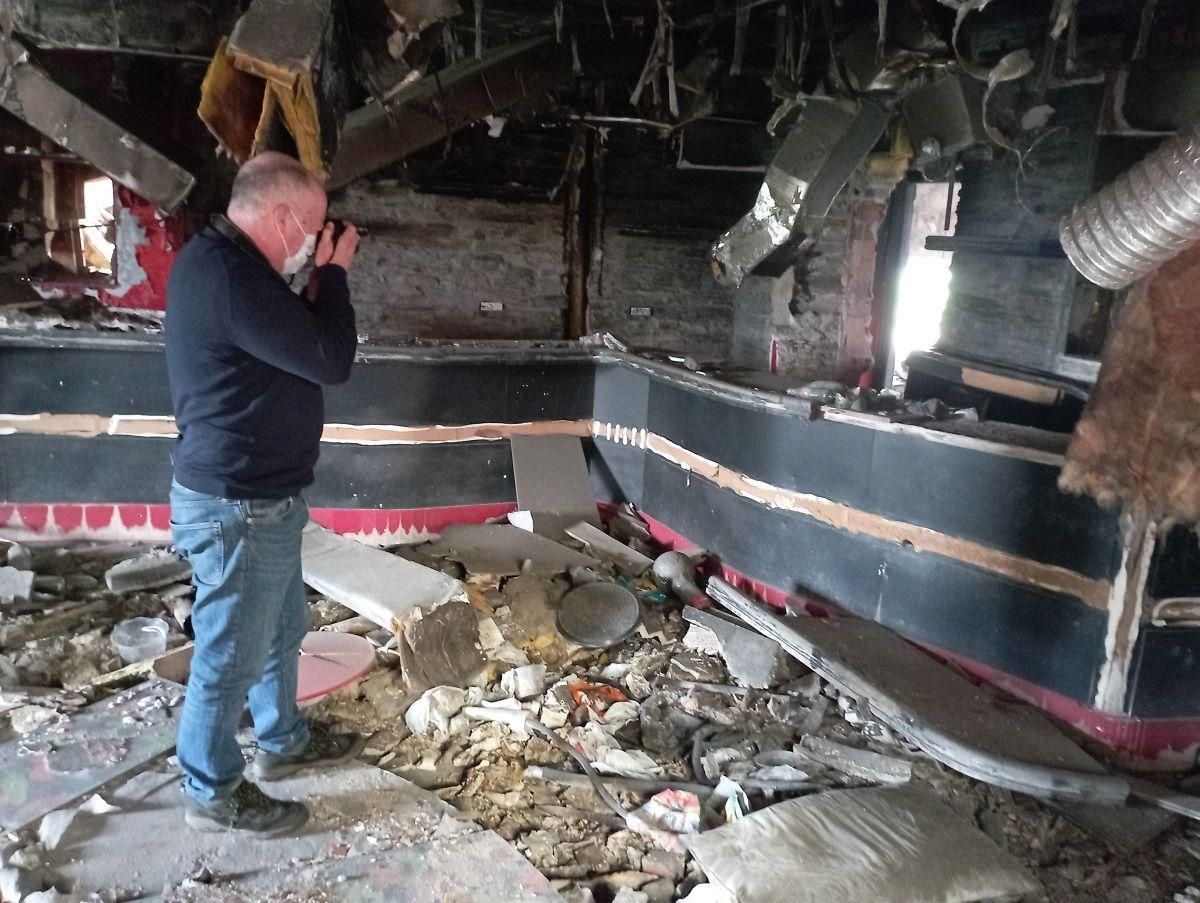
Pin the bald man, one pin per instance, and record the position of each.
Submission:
(247, 357)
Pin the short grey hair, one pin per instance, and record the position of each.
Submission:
(268, 179)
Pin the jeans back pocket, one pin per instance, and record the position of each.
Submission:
(203, 546)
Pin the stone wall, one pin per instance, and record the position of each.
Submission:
(816, 320)
(439, 266)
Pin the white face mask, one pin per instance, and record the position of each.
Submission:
(295, 262)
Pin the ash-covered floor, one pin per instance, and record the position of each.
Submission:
(664, 715)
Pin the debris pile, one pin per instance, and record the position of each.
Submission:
(604, 763)
(58, 608)
(673, 755)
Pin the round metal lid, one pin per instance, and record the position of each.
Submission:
(598, 614)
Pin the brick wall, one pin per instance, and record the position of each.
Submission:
(651, 249)
(430, 260)
(819, 314)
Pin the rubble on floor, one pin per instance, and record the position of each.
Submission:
(481, 700)
(673, 730)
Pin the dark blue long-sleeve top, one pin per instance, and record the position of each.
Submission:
(246, 359)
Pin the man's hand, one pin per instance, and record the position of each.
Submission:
(347, 245)
(340, 253)
(324, 246)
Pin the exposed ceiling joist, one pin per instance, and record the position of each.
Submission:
(175, 28)
(441, 103)
(28, 92)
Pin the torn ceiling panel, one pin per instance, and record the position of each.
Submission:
(231, 103)
(187, 28)
(280, 39)
(817, 158)
(439, 104)
(298, 48)
(28, 92)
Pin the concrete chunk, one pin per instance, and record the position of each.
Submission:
(148, 571)
(16, 584)
(753, 659)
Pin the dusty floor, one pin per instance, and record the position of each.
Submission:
(55, 657)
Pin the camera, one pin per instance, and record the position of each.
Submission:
(339, 226)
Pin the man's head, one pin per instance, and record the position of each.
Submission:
(281, 208)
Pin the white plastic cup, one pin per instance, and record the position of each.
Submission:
(139, 639)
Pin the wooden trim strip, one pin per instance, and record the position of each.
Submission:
(93, 425)
(987, 446)
(1093, 592)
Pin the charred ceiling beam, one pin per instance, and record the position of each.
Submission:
(441, 103)
(175, 28)
(28, 92)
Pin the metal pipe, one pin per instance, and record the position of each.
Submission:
(1142, 219)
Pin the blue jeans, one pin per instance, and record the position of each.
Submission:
(250, 617)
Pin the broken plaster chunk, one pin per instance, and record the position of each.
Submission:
(17, 884)
(490, 636)
(54, 826)
(857, 763)
(629, 895)
(98, 805)
(436, 707)
(15, 584)
(148, 571)
(28, 718)
(524, 682)
(444, 646)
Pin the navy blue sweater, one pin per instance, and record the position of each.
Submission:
(247, 357)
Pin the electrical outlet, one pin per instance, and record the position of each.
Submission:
(641, 312)
(491, 307)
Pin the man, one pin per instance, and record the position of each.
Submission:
(247, 357)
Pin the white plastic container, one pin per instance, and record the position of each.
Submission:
(139, 639)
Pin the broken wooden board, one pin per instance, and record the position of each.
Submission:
(552, 483)
(502, 549)
(66, 759)
(371, 836)
(959, 724)
(629, 561)
(370, 581)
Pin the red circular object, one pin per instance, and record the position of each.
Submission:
(331, 660)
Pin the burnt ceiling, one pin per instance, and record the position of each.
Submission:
(409, 86)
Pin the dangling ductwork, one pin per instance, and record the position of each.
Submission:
(817, 158)
(1141, 220)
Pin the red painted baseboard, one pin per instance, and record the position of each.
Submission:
(152, 523)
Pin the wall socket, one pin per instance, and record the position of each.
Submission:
(641, 312)
(491, 307)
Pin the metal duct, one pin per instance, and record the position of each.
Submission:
(1141, 220)
(817, 158)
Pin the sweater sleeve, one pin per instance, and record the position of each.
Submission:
(315, 342)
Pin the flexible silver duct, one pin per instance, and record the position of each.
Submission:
(1144, 218)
